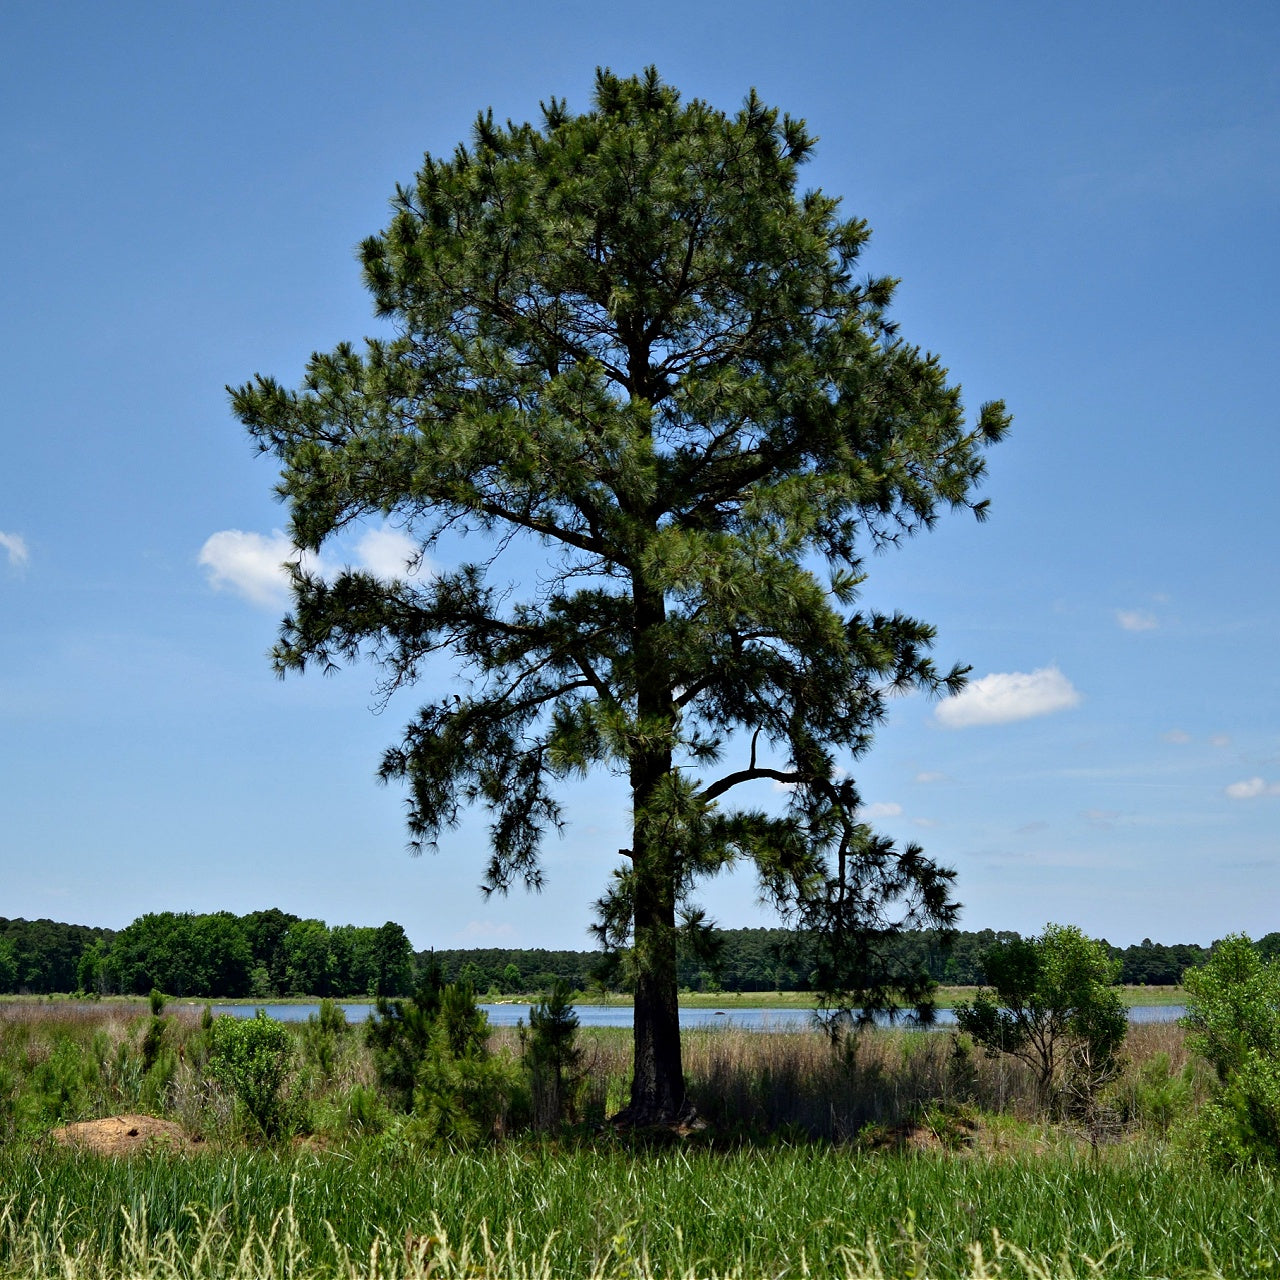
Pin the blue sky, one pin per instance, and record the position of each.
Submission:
(1081, 204)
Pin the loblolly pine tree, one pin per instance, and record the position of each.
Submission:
(626, 336)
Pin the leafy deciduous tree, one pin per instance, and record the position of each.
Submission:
(628, 336)
(1053, 1004)
(8, 967)
(1233, 1016)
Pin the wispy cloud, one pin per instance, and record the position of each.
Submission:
(1137, 620)
(1179, 737)
(483, 929)
(930, 775)
(1003, 697)
(1251, 788)
(1103, 818)
(881, 809)
(15, 546)
(1220, 740)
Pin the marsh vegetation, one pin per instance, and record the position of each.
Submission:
(431, 1144)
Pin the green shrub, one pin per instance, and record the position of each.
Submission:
(61, 1086)
(156, 1083)
(8, 1102)
(250, 1058)
(1054, 1006)
(153, 1041)
(399, 1035)
(462, 1094)
(364, 1111)
(322, 1035)
(120, 1073)
(462, 1100)
(432, 1057)
(1157, 1095)
(1233, 1015)
(552, 1058)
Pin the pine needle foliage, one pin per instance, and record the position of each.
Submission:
(630, 337)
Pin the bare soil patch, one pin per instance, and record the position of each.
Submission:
(124, 1135)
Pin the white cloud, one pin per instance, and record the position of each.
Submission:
(1178, 737)
(16, 545)
(387, 553)
(254, 564)
(1220, 740)
(1251, 788)
(880, 810)
(929, 776)
(250, 563)
(1137, 620)
(1003, 697)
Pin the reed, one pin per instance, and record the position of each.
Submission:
(540, 1209)
(60, 1062)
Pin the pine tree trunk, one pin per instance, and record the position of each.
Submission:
(657, 1088)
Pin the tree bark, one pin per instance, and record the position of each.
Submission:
(658, 1094)
(657, 1087)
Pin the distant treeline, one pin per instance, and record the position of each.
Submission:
(778, 960)
(272, 953)
(263, 954)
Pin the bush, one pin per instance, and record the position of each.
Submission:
(322, 1035)
(399, 1034)
(1053, 1005)
(462, 1101)
(250, 1058)
(1157, 1095)
(154, 1041)
(462, 1094)
(432, 1057)
(156, 1085)
(1233, 1015)
(61, 1085)
(364, 1112)
(552, 1058)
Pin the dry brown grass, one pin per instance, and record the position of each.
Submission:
(792, 1084)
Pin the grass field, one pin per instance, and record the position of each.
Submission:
(604, 1209)
(895, 1156)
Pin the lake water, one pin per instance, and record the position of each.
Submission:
(619, 1015)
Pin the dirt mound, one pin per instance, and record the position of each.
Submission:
(124, 1135)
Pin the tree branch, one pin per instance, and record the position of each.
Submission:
(748, 775)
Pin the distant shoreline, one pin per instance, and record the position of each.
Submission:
(947, 998)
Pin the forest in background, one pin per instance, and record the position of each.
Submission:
(273, 954)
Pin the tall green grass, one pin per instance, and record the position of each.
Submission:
(612, 1210)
